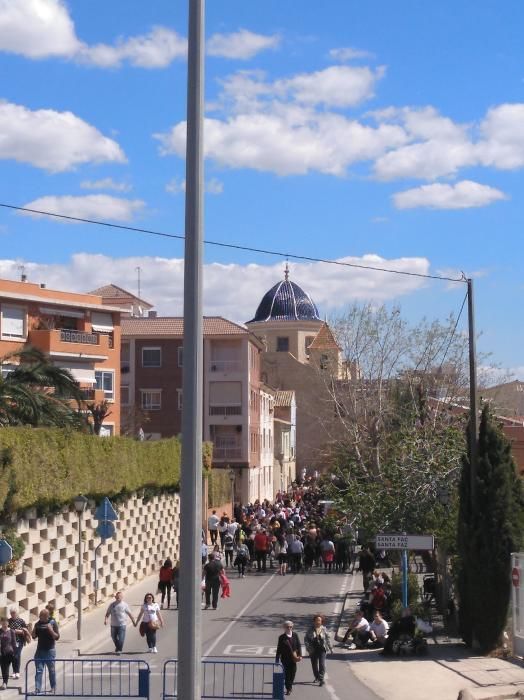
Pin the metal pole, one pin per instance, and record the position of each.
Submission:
(404, 578)
(473, 412)
(189, 632)
(80, 574)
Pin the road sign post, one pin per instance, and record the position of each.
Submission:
(404, 543)
(6, 552)
(106, 515)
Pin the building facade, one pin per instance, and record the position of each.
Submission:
(77, 331)
(300, 355)
(152, 361)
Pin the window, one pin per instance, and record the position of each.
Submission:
(6, 369)
(124, 395)
(105, 381)
(324, 361)
(151, 357)
(151, 399)
(309, 339)
(107, 430)
(13, 322)
(179, 398)
(181, 356)
(282, 344)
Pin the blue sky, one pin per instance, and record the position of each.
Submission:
(385, 133)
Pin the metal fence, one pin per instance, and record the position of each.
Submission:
(230, 679)
(88, 678)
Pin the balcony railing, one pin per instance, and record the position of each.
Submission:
(68, 336)
(233, 410)
(221, 453)
(225, 366)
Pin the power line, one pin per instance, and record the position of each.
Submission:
(233, 246)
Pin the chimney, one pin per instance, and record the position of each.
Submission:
(42, 285)
(152, 314)
(23, 277)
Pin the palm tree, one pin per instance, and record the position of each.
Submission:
(38, 393)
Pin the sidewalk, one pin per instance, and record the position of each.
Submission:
(96, 637)
(448, 671)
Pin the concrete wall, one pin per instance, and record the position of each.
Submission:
(146, 534)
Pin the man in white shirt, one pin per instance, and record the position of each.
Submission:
(359, 631)
(233, 527)
(212, 526)
(378, 630)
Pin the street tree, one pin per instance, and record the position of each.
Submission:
(490, 527)
(35, 392)
(395, 438)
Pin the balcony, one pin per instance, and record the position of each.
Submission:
(226, 453)
(227, 410)
(67, 336)
(225, 366)
(95, 395)
(68, 341)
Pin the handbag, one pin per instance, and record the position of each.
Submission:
(296, 658)
(153, 624)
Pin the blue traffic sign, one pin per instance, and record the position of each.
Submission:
(105, 511)
(106, 530)
(6, 552)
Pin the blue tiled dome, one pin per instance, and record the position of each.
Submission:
(286, 301)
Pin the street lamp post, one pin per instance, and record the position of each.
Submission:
(232, 481)
(80, 504)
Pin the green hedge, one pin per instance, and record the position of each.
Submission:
(219, 487)
(48, 467)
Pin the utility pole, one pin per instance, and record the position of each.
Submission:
(473, 407)
(190, 614)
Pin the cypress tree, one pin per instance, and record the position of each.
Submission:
(489, 530)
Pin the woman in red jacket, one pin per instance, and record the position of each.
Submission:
(165, 581)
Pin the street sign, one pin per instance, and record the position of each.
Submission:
(413, 542)
(105, 511)
(515, 576)
(105, 530)
(6, 552)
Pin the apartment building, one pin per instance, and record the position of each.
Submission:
(77, 331)
(151, 393)
(285, 429)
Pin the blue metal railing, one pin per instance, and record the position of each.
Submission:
(230, 679)
(88, 678)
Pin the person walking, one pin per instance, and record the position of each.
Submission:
(229, 547)
(366, 564)
(118, 611)
(165, 576)
(241, 559)
(289, 652)
(211, 575)
(7, 650)
(318, 644)
(45, 630)
(151, 621)
(23, 637)
(281, 554)
(212, 526)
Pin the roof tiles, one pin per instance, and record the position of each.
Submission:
(174, 326)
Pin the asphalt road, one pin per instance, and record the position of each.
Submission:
(246, 626)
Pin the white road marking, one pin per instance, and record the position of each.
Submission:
(236, 618)
(336, 612)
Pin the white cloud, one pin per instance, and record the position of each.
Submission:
(178, 186)
(43, 28)
(234, 290)
(91, 206)
(37, 28)
(462, 195)
(54, 141)
(106, 183)
(288, 141)
(336, 86)
(240, 45)
(347, 53)
(502, 145)
(154, 50)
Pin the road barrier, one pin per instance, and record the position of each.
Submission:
(89, 678)
(230, 679)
